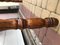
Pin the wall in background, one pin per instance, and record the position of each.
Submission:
(43, 9)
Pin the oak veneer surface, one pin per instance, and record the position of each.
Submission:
(13, 36)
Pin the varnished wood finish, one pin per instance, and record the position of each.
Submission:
(8, 24)
(31, 23)
(51, 22)
(11, 0)
(35, 23)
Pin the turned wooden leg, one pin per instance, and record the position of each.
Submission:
(38, 23)
(31, 23)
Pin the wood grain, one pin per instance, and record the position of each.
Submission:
(31, 23)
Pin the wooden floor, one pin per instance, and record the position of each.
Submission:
(11, 37)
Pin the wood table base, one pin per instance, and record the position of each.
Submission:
(31, 23)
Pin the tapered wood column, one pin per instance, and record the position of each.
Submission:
(31, 23)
